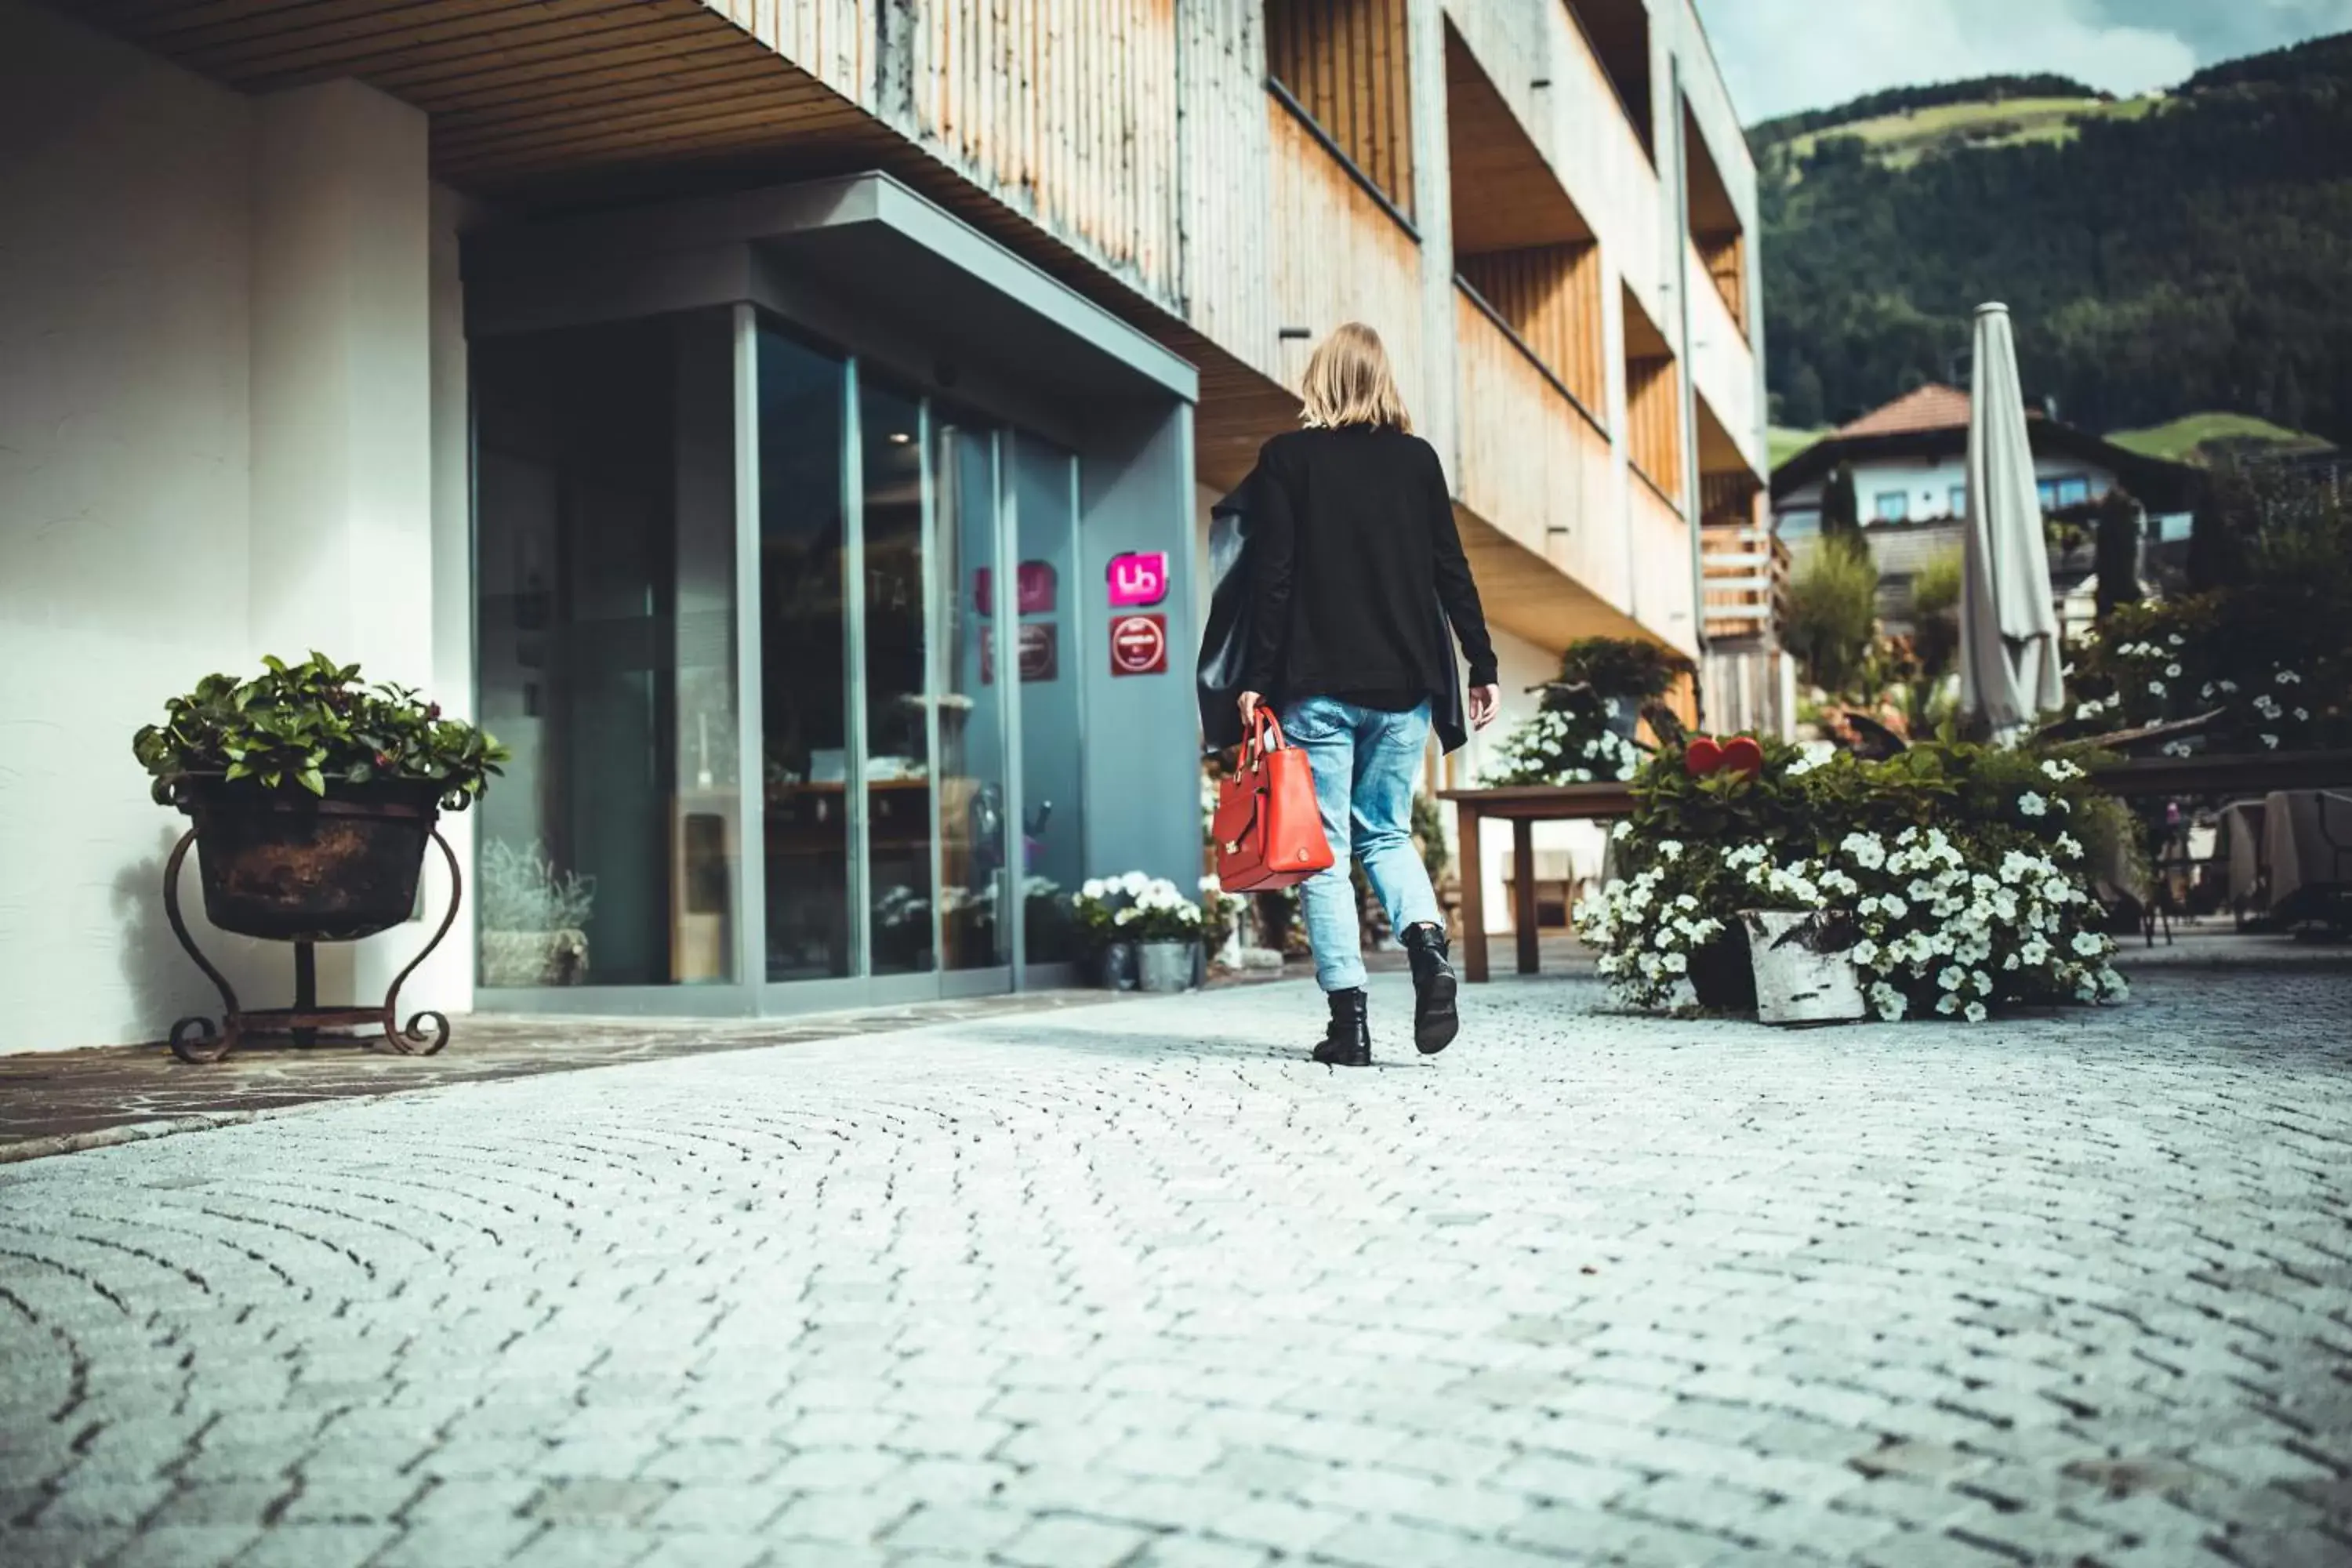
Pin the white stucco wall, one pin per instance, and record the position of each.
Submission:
(163, 285)
(1927, 482)
(124, 498)
(1576, 845)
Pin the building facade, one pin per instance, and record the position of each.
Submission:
(790, 427)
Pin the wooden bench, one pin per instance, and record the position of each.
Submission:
(1524, 805)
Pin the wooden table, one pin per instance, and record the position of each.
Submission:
(1524, 805)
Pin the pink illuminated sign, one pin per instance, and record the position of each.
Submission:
(1139, 579)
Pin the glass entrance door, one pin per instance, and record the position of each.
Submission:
(893, 659)
(970, 676)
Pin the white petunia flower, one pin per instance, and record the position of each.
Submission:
(1974, 1012)
(2032, 804)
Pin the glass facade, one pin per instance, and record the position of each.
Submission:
(1053, 828)
(605, 563)
(914, 619)
(803, 659)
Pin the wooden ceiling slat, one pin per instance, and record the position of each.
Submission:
(425, 30)
(733, 129)
(601, 98)
(449, 88)
(191, 27)
(773, 93)
(431, 79)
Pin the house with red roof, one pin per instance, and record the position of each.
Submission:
(1909, 459)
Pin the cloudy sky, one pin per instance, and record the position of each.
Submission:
(1781, 55)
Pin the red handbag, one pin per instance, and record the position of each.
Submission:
(1269, 830)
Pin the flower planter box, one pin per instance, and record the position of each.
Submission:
(1804, 969)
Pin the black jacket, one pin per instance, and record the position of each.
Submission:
(1338, 567)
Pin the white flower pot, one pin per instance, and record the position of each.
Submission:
(1799, 977)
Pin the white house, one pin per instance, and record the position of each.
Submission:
(1909, 459)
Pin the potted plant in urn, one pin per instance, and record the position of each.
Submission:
(312, 799)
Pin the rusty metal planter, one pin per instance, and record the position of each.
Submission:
(288, 867)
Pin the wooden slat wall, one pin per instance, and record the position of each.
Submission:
(1724, 256)
(1653, 422)
(1550, 295)
(1532, 466)
(1337, 257)
(1345, 62)
(1729, 498)
(1227, 195)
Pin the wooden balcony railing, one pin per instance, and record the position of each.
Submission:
(1746, 571)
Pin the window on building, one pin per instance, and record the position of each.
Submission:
(1653, 403)
(1960, 500)
(1715, 229)
(1798, 525)
(2074, 491)
(1342, 65)
(1521, 248)
(2048, 490)
(1891, 506)
(1618, 33)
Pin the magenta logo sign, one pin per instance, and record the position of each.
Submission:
(1139, 579)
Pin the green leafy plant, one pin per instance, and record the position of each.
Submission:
(1627, 667)
(1832, 610)
(311, 726)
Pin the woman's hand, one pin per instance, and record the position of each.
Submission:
(1248, 702)
(1484, 701)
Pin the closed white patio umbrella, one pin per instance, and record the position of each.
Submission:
(2009, 630)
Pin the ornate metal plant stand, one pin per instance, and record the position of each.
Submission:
(197, 1039)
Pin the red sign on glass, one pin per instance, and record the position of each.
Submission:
(1138, 644)
(1041, 652)
(1140, 578)
(1035, 580)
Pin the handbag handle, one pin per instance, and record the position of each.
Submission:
(1256, 746)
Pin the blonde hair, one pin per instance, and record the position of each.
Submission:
(1348, 382)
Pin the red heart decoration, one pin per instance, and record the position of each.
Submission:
(1702, 756)
(1742, 754)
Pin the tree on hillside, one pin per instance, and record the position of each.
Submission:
(1841, 516)
(2186, 258)
(1800, 408)
(2120, 530)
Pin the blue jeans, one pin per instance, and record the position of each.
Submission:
(1365, 763)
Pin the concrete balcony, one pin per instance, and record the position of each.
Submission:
(1544, 506)
(1336, 252)
(1723, 367)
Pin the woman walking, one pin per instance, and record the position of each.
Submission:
(1354, 568)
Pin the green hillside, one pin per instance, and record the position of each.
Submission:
(2199, 437)
(2162, 256)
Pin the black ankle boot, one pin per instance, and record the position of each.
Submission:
(1436, 1021)
(1348, 1042)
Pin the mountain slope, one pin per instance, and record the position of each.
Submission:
(2161, 256)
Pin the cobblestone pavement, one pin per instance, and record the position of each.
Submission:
(54, 1103)
(1138, 1285)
